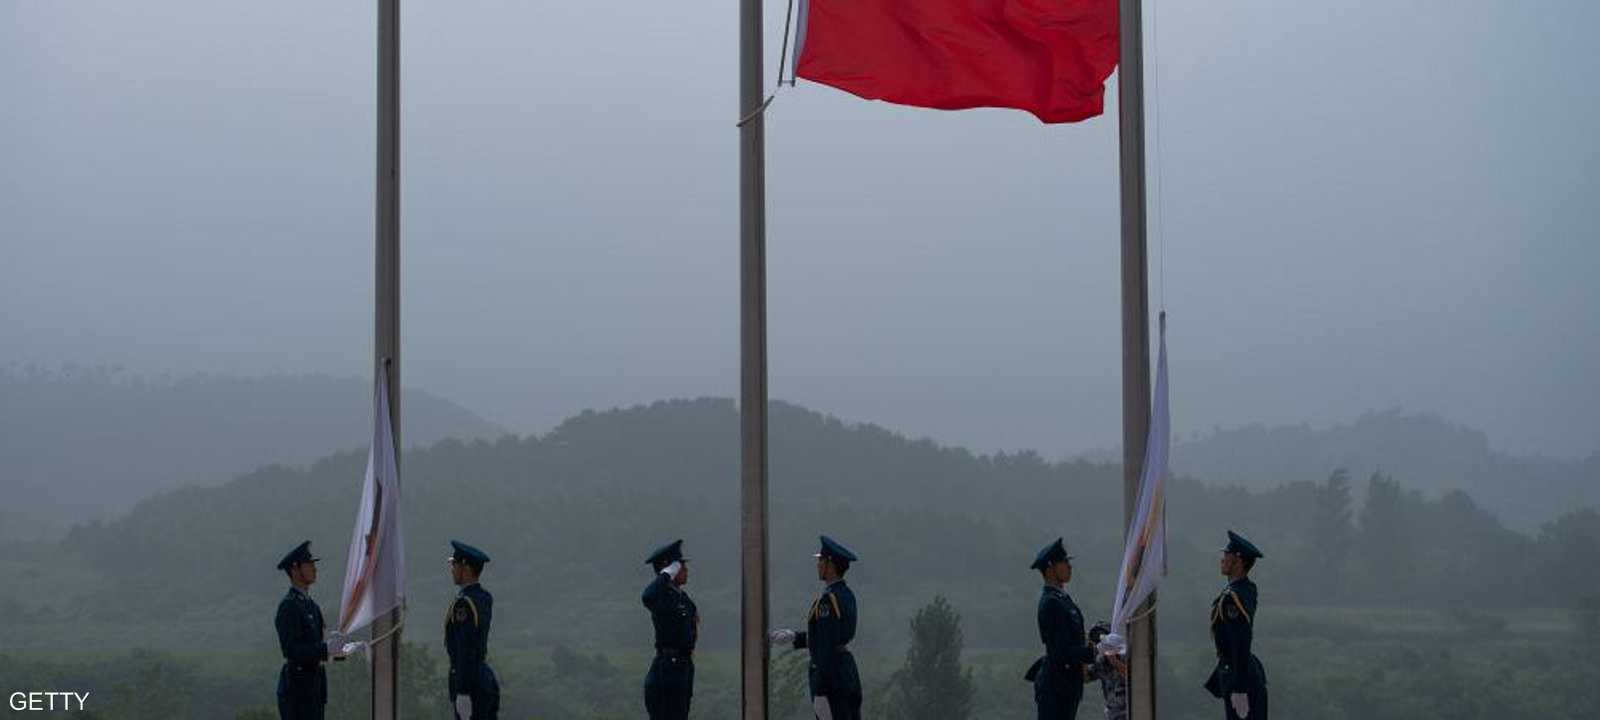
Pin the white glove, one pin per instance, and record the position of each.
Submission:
(781, 636)
(819, 705)
(1112, 644)
(353, 646)
(1241, 704)
(334, 644)
(463, 707)
(671, 571)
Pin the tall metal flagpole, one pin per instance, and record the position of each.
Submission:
(1135, 335)
(386, 330)
(753, 368)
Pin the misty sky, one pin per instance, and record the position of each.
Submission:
(1367, 205)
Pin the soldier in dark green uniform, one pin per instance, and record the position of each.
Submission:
(669, 684)
(1239, 679)
(302, 683)
(831, 625)
(1058, 677)
(473, 689)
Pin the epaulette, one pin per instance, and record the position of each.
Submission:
(1239, 604)
(449, 610)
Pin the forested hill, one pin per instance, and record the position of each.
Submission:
(569, 517)
(81, 443)
(1430, 454)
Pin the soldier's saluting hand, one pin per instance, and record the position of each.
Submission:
(669, 684)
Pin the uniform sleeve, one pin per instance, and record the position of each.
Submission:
(1063, 636)
(1240, 640)
(295, 648)
(1051, 627)
(651, 597)
(847, 620)
(1077, 642)
(482, 644)
(826, 634)
(474, 630)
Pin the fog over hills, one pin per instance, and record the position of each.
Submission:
(80, 443)
(586, 501)
(570, 514)
(1425, 451)
(77, 444)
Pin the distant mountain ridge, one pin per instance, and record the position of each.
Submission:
(63, 433)
(1424, 451)
(570, 515)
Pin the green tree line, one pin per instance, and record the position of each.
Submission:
(1362, 580)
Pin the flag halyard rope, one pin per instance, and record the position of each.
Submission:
(783, 59)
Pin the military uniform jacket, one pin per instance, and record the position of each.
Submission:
(1232, 630)
(674, 615)
(300, 627)
(829, 629)
(1066, 650)
(466, 640)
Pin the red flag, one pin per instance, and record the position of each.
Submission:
(1049, 57)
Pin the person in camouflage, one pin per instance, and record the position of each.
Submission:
(1112, 672)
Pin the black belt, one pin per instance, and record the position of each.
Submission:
(674, 653)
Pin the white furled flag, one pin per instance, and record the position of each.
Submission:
(375, 571)
(1144, 558)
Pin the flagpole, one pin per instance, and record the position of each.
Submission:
(386, 326)
(1135, 334)
(753, 368)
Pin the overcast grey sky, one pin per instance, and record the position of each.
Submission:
(1367, 205)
